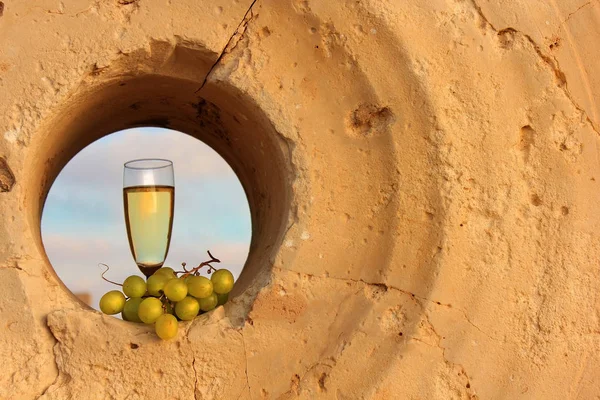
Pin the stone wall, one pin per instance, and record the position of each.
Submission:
(423, 180)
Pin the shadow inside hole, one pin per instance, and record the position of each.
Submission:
(224, 119)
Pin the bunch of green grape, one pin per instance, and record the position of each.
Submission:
(165, 299)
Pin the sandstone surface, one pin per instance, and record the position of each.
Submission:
(423, 181)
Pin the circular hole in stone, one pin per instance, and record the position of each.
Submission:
(224, 117)
(83, 219)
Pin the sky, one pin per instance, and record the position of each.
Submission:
(83, 221)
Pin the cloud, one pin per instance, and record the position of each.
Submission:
(102, 161)
(89, 189)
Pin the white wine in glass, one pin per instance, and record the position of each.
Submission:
(149, 200)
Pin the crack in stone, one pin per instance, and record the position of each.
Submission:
(333, 358)
(419, 300)
(301, 379)
(195, 376)
(413, 296)
(246, 358)
(448, 362)
(551, 61)
(64, 14)
(55, 350)
(322, 360)
(230, 45)
(575, 12)
(14, 264)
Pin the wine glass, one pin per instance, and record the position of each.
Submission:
(149, 198)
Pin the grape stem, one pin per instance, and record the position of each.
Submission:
(192, 271)
(105, 271)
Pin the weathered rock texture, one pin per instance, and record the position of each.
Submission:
(423, 179)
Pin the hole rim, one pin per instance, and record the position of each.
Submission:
(267, 236)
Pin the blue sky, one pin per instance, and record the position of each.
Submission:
(83, 222)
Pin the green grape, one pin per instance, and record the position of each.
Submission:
(167, 272)
(187, 308)
(134, 286)
(112, 302)
(222, 298)
(156, 283)
(208, 303)
(222, 281)
(199, 286)
(166, 326)
(150, 309)
(130, 311)
(175, 289)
